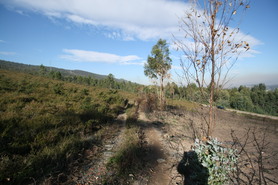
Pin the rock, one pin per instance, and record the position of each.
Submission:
(108, 154)
(160, 160)
(108, 147)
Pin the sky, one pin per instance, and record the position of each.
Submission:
(116, 36)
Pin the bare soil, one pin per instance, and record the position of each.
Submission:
(181, 127)
(168, 134)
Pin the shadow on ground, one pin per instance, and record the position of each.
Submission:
(193, 171)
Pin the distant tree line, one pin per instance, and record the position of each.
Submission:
(255, 99)
(108, 82)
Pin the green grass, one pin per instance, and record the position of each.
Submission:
(129, 157)
(183, 104)
(45, 124)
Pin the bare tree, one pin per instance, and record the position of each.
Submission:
(210, 46)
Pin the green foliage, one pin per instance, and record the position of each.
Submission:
(219, 160)
(44, 123)
(158, 66)
(256, 99)
(222, 97)
(43, 70)
(159, 63)
(76, 76)
(241, 101)
(58, 89)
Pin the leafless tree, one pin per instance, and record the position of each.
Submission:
(210, 45)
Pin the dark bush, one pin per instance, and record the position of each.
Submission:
(148, 103)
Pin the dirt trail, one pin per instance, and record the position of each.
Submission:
(92, 168)
(253, 114)
(153, 136)
(159, 175)
(160, 153)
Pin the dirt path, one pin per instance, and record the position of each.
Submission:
(159, 175)
(157, 153)
(92, 168)
(161, 153)
(253, 114)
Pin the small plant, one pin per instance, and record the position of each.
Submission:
(58, 89)
(219, 160)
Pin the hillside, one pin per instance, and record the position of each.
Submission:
(35, 69)
(56, 132)
(46, 124)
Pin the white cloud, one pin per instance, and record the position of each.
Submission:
(7, 53)
(2, 41)
(137, 19)
(93, 56)
(121, 19)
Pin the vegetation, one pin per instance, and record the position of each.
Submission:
(219, 161)
(255, 99)
(46, 123)
(158, 66)
(129, 158)
(75, 76)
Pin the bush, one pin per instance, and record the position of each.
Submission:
(58, 89)
(148, 103)
(219, 160)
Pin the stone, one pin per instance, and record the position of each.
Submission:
(160, 160)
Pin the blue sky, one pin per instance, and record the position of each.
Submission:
(108, 36)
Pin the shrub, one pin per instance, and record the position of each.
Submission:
(219, 160)
(58, 89)
(148, 103)
(85, 92)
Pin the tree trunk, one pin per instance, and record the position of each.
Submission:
(211, 101)
(162, 101)
(212, 82)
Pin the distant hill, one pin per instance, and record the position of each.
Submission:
(13, 66)
(268, 87)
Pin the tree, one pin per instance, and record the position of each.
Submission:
(210, 46)
(58, 75)
(42, 70)
(158, 66)
(111, 81)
